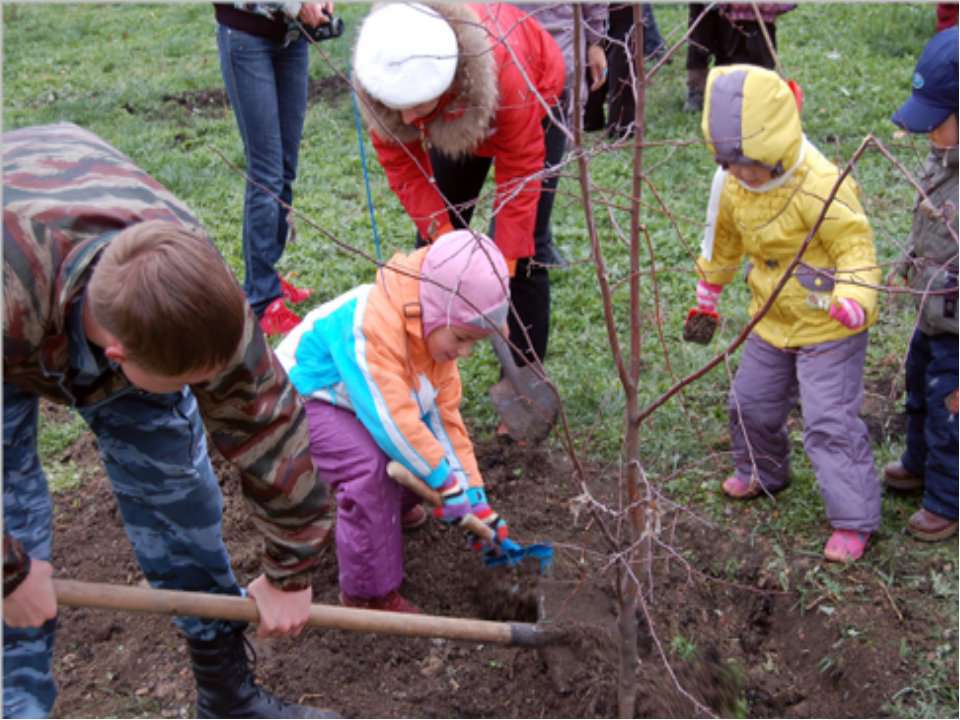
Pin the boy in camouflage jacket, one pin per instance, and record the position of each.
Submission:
(930, 459)
(117, 304)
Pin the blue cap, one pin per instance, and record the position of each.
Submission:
(934, 95)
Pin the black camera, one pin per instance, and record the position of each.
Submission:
(327, 31)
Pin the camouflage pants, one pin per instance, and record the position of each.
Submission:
(155, 454)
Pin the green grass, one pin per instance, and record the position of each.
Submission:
(54, 437)
(112, 68)
(934, 690)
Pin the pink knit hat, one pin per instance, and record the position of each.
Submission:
(471, 265)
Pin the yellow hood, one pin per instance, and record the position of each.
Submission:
(750, 114)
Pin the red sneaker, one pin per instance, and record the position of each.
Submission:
(391, 602)
(278, 319)
(292, 293)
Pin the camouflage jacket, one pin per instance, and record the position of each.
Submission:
(66, 193)
(931, 248)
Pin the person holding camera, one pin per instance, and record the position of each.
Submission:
(264, 60)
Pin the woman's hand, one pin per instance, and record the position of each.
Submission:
(316, 14)
(597, 64)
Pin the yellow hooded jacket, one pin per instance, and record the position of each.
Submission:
(751, 115)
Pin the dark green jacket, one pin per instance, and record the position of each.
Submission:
(931, 248)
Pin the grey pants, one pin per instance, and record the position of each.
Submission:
(828, 381)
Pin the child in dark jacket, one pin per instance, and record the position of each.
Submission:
(930, 459)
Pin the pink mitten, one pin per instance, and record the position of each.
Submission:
(708, 295)
(848, 313)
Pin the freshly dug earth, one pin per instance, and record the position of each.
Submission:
(736, 643)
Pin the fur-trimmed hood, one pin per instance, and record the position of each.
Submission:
(463, 118)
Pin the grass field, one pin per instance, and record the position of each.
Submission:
(118, 70)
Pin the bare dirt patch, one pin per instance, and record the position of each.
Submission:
(737, 643)
(213, 103)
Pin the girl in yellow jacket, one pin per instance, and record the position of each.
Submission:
(767, 194)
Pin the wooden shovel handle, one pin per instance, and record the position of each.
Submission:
(104, 596)
(404, 477)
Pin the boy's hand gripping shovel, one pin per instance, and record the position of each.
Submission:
(511, 553)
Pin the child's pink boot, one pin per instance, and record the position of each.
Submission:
(846, 545)
(413, 518)
(391, 602)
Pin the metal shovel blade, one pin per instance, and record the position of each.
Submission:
(526, 404)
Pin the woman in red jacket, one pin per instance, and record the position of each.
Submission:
(446, 90)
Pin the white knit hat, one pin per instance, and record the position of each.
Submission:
(406, 54)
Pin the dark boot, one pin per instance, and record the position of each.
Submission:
(696, 86)
(225, 684)
(897, 477)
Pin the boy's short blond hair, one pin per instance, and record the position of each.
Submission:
(165, 293)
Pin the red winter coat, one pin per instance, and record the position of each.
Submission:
(489, 111)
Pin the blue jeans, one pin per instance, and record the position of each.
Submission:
(155, 453)
(266, 83)
(931, 451)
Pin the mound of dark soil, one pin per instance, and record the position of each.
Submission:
(214, 102)
(736, 643)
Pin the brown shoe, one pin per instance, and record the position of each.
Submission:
(930, 527)
(897, 477)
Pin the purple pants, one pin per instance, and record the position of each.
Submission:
(828, 379)
(369, 503)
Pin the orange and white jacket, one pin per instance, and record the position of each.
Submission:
(365, 351)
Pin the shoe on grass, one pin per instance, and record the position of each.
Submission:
(846, 545)
(278, 319)
(295, 295)
(930, 527)
(897, 477)
(739, 489)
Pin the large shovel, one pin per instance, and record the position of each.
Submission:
(74, 593)
(527, 405)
